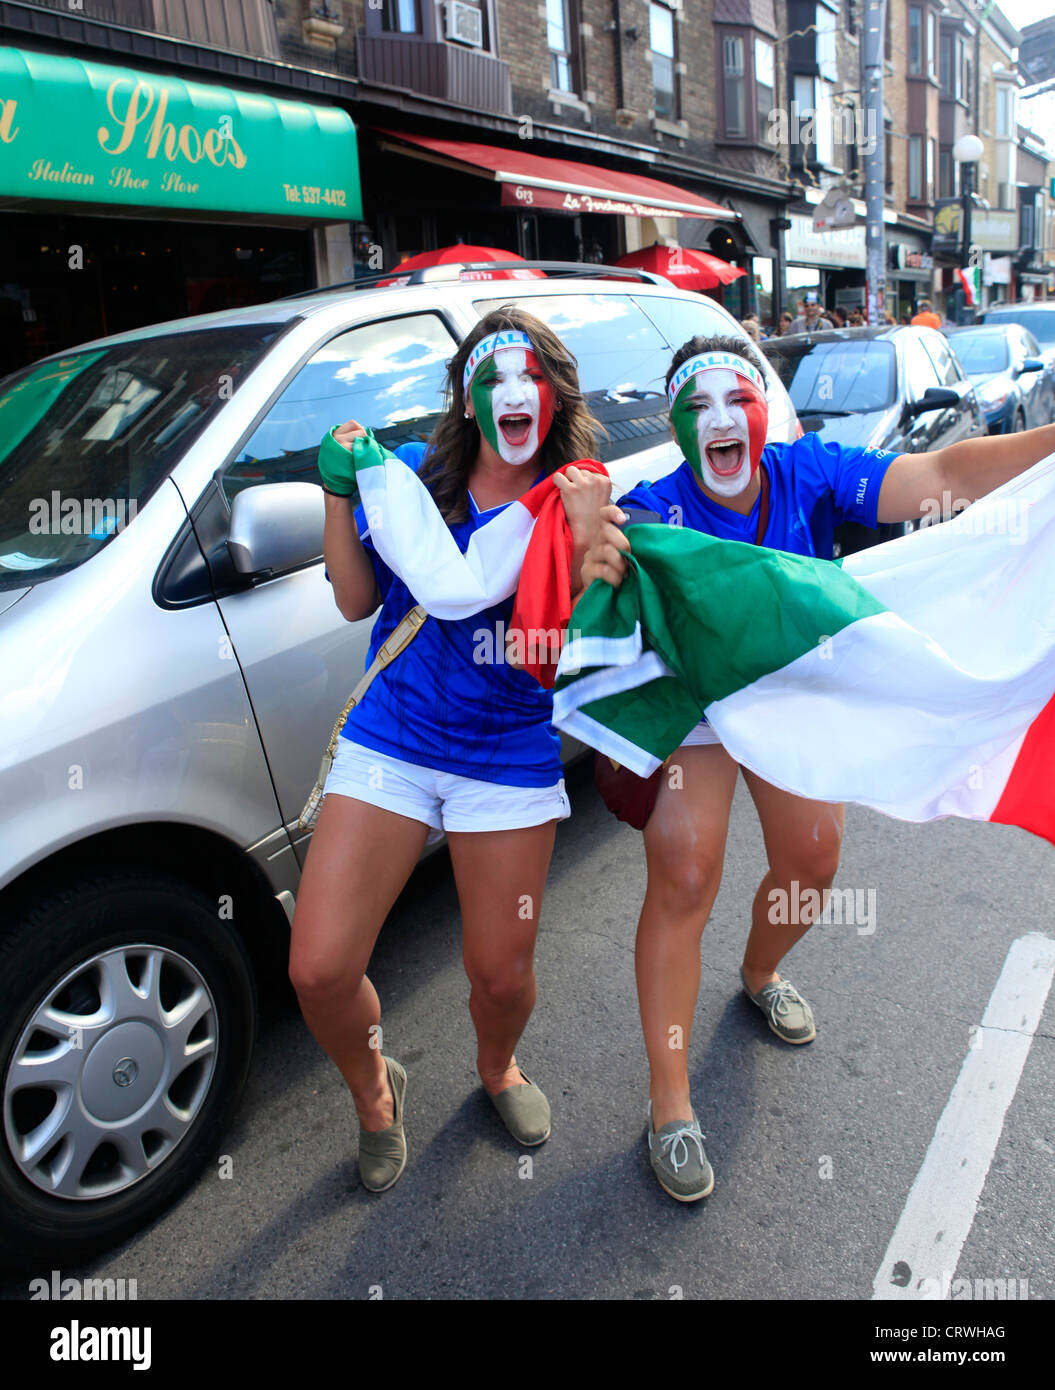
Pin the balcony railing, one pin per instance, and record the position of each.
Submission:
(470, 79)
(238, 26)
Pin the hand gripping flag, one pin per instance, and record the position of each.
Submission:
(916, 678)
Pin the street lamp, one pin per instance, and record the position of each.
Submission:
(967, 151)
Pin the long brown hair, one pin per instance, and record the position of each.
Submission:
(455, 440)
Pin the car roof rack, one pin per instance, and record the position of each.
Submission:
(449, 272)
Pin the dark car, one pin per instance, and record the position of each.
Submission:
(1014, 385)
(1038, 318)
(898, 388)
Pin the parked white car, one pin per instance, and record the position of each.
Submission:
(171, 663)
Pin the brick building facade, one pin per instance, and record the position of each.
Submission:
(749, 105)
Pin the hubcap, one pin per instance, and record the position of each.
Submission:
(110, 1071)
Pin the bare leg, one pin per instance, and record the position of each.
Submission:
(359, 859)
(803, 840)
(500, 876)
(684, 849)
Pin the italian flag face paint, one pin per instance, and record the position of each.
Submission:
(512, 400)
(720, 416)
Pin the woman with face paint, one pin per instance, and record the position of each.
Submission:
(449, 737)
(790, 497)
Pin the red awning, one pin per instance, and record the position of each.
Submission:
(536, 181)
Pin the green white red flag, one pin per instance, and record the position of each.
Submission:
(916, 678)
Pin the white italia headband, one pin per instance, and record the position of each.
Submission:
(713, 361)
(494, 342)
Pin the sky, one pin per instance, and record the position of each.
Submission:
(1039, 113)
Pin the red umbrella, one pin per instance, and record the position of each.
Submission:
(688, 269)
(448, 255)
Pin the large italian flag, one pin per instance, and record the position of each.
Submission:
(917, 677)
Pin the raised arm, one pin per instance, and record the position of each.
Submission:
(347, 563)
(914, 483)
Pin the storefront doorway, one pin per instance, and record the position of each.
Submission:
(67, 279)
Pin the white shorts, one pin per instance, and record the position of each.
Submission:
(440, 800)
(702, 734)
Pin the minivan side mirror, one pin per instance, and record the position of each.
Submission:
(276, 527)
(1031, 364)
(934, 398)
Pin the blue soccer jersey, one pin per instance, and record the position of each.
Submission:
(813, 487)
(450, 701)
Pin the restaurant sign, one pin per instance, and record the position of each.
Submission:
(89, 132)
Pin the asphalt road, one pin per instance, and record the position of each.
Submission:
(814, 1148)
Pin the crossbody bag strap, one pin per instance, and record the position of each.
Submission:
(763, 504)
(400, 637)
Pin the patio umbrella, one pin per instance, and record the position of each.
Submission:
(687, 268)
(449, 255)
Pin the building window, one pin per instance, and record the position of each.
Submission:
(948, 66)
(825, 121)
(558, 28)
(734, 82)
(825, 46)
(915, 168)
(764, 79)
(1025, 227)
(850, 12)
(915, 39)
(1005, 107)
(930, 43)
(401, 17)
(813, 100)
(930, 171)
(661, 39)
(967, 79)
(946, 174)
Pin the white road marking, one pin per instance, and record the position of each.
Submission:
(941, 1206)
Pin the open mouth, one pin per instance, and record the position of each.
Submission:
(515, 429)
(726, 456)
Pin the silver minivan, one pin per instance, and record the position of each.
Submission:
(171, 664)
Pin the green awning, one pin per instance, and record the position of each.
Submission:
(99, 135)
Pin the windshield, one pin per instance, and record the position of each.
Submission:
(981, 354)
(844, 377)
(620, 352)
(86, 438)
(1041, 323)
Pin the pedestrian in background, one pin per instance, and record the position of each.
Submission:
(811, 320)
(926, 317)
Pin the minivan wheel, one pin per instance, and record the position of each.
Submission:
(127, 1021)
